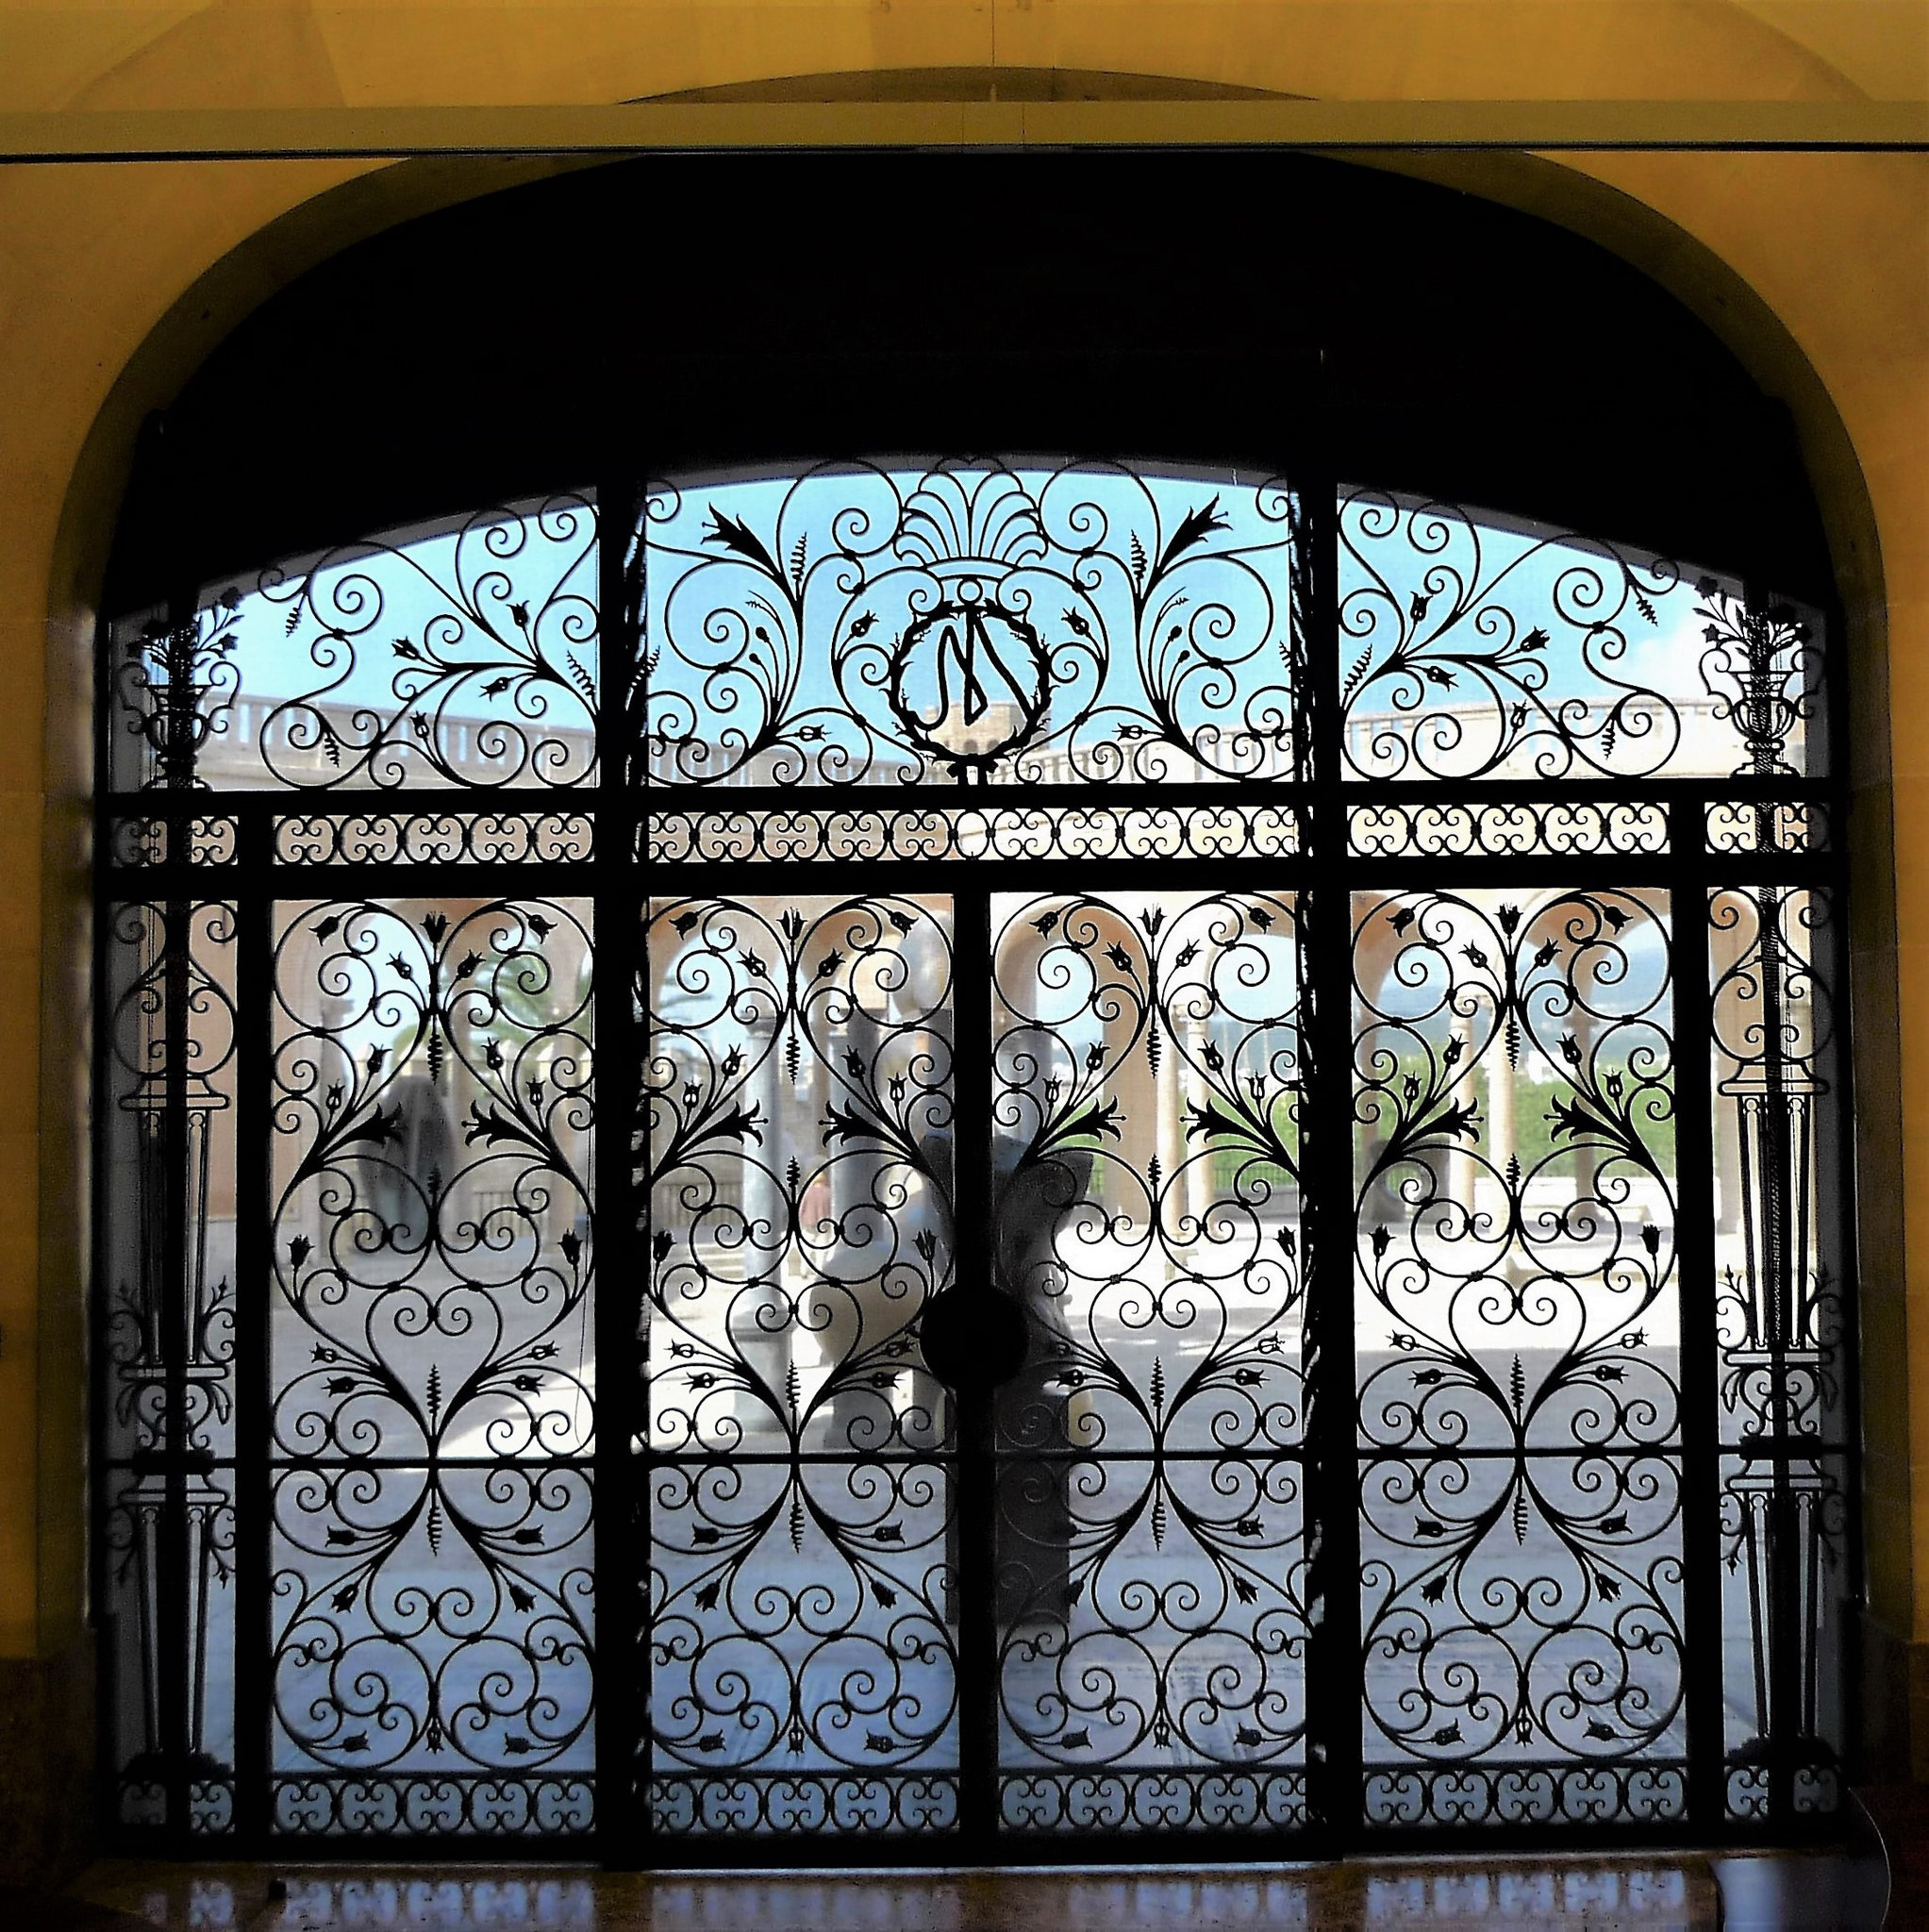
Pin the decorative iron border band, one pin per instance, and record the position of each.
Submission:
(1815, 1791)
(1156, 1800)
(1518, 828)
(1768, 825)
(141, 1804)
(488, 1806)
(1649, 1792)
(151, 842)
(732, 1804)
(432, 838)
(1016, 831)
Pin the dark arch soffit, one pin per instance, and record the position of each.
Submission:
(700, 310)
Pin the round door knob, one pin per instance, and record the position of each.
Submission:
(974, 1339)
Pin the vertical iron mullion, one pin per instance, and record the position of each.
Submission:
(251, 1368)
(622, 1494)
(973, 1404)
(1694, 1261)
(1839, 1234)
(170, 1165)
(1839, 1223)
(1786, 1637)
(173, 1638)
(107, 885)
(1334, 1664)
(176, 762)
(621, 1489)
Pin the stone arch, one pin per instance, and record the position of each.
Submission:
(278, 253)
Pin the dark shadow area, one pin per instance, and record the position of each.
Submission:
(39, 1911)
(975, 84)
(1844, 1888)
(1900, 1814)
(676, 312)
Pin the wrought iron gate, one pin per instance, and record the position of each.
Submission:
(971, 1160)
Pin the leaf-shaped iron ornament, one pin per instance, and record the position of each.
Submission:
(433, 1112)
(1153, 1591)
(797, 1162)
(1514, 1130)
(973, 622)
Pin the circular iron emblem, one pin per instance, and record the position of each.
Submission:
(970, 681)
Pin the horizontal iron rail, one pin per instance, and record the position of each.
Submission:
(379, 801)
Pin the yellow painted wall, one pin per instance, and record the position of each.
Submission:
(116, 277)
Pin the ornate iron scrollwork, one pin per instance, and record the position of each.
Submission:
(971, 624)
(167, 1340)
(799, 1111)
(461, 655)
(433, 1387)
(1241, 1319)
(1475, 649)
(1764, 671)
(1518, 1401)
(1782, 1329)
(1151, 1603)
(175, 686)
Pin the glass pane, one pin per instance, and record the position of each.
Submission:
(798, 1104)
(1780, 1325)
(1151, 1561)
(971, 624)
(1474, 645)
(169, 1570)
(433, 1368)
(1776, 1132)
(1517, 1344)
(170, 1159)
(462, 653)
(1787, 1606)
(167, 1430)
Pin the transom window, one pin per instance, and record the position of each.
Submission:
(970, 1159)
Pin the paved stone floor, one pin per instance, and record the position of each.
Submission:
(1638, 1893)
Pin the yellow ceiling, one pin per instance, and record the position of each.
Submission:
(101, 54)
(1880, 47)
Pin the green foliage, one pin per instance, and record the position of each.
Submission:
(1534, 1126)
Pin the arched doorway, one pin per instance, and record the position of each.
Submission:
(1364, 863)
